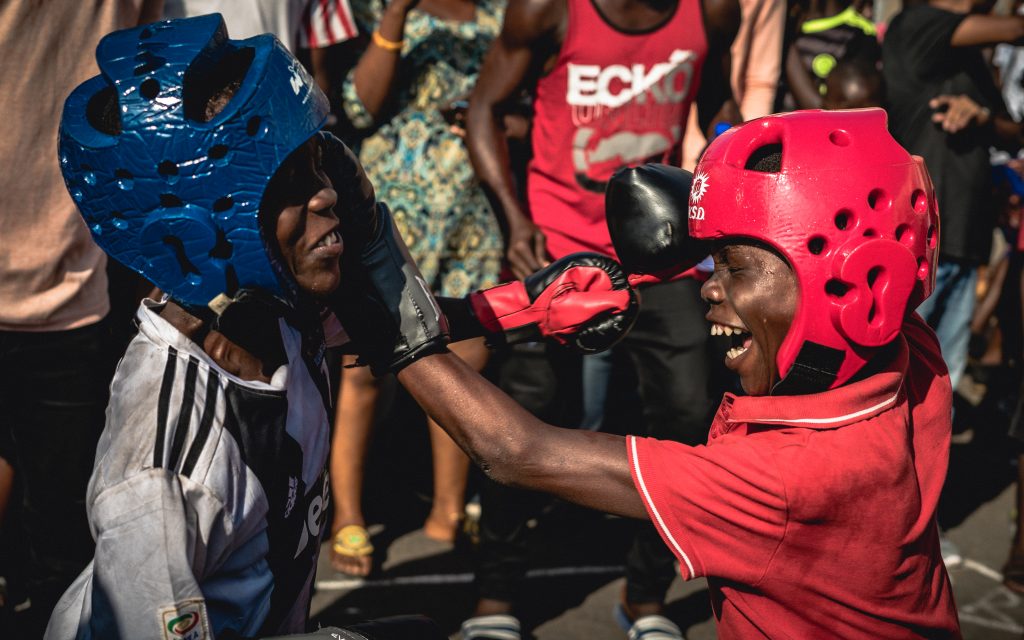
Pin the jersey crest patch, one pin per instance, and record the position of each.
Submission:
(185, 620)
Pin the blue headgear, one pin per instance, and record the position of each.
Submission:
(174, 198)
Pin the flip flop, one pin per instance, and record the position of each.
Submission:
(352, 541)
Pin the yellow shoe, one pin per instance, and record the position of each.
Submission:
(351, 551)
(352, 541)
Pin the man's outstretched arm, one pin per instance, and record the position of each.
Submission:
(515, 448)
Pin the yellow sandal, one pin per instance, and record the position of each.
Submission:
(352, 541)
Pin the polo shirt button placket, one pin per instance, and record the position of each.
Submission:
(722, 426)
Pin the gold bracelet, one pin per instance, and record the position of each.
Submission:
(384, 43)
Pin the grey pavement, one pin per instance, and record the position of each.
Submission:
(567, 600)
(576, 554)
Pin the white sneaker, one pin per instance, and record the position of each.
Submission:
(655, 628)
(496, 627)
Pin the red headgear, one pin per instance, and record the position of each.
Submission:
(852, 212)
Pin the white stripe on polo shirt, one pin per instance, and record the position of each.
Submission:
(850, 416)
(654, 510)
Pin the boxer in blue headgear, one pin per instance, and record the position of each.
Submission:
(198, 161)
(170, 189)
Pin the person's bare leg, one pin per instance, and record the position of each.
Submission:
(1017, 546)
(1013, 570)
(357, 399)
(451, 466)
(6, 486)
(637, 610)
(489, 607)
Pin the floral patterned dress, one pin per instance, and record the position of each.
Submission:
(417, 166)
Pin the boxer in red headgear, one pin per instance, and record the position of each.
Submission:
(811, 511)
(851, 214)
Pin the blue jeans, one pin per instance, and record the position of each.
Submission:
(597, 371)
(948, 310)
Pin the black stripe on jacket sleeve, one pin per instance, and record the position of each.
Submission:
(205, 423)
(162, 407)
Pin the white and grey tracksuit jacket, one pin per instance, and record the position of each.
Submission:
(207, 498)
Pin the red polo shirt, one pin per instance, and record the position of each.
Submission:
(814, 516)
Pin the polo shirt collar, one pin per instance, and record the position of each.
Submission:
(830, 409)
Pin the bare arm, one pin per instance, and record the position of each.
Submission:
(330, 65)
(801, 82)
(513, 447)
(318, 63)
(982, 30)
(715, 102)
(375, 73)
(151, 11)
(764, 58)
(530, 28)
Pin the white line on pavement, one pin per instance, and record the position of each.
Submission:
(989, 623)
(988, 572)
(458, 578)
(997, 609)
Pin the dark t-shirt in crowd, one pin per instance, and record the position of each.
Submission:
(919, 63)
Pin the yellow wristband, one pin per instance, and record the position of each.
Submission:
(384, 43)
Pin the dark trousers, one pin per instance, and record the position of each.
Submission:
(668, 348)
(53, 393)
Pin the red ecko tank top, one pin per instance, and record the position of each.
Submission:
(614, 98)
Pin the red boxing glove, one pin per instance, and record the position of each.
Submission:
(583, 301)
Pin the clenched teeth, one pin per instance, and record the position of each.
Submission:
(331, 239)
(735, 352)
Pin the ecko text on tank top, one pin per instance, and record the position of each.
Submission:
(615, 85)
(614, 107)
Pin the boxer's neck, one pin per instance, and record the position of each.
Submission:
(228, 355)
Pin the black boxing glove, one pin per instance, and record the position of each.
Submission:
(582, 301)
(647, 211)
(383, 302)
(357, 201)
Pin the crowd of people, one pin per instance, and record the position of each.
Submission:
(491, 129)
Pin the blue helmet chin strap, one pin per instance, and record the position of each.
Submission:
(174, 197)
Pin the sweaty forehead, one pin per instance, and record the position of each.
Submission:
(745, 249)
